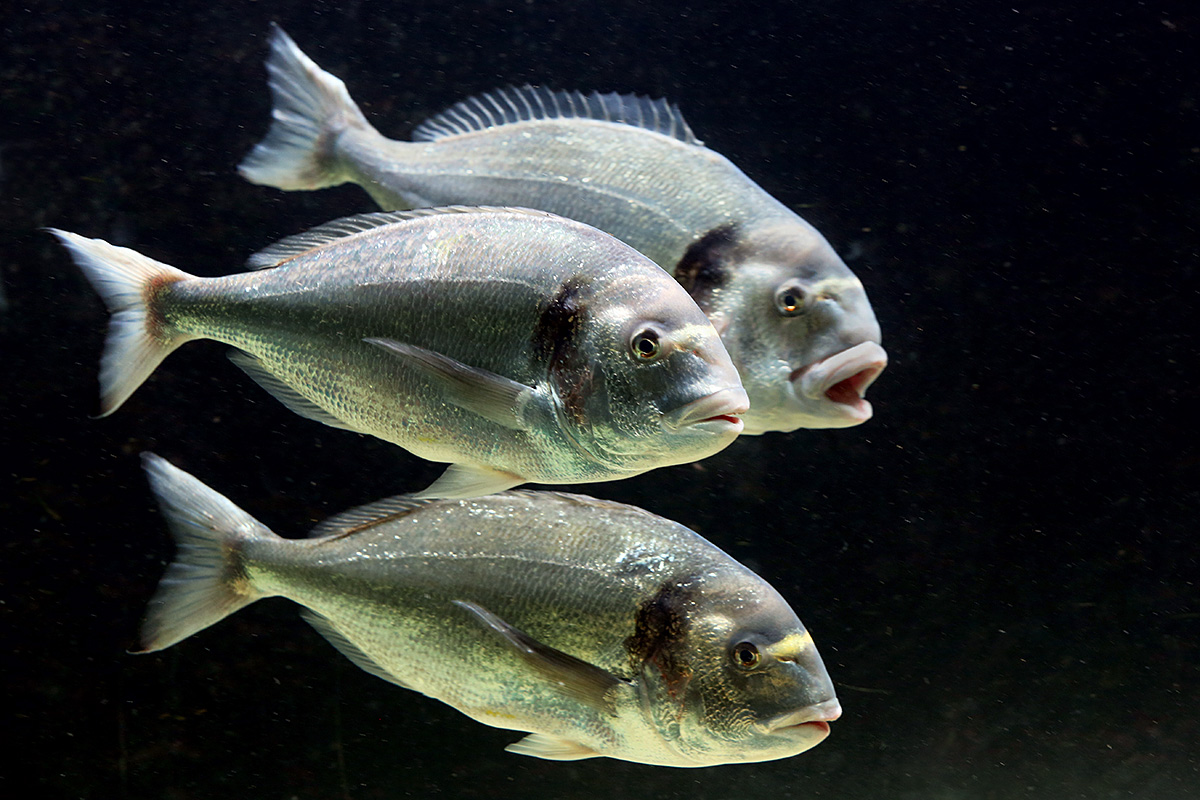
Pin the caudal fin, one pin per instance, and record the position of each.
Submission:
(137, 340)
(206, 582)
(311, 107)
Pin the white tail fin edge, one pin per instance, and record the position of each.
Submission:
(137, 341)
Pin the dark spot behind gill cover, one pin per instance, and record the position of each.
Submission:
(556, 341)
(554, 334)
(659, 629)
(703, 265)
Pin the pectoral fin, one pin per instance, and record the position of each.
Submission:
(489, 395)
(576, 678)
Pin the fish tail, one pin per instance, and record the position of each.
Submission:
(138, 336)
(207, 581)
(311, 107)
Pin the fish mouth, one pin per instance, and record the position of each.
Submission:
(810, 721)
(842, 380)
(719, 412)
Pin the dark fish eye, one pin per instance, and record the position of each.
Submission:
(790, 300)
(746, 655)
(645, 345)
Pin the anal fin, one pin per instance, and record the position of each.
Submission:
(349, 649)
(282, 392)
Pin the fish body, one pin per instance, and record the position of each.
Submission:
(516, 345)
(598, 628)
(794, 318)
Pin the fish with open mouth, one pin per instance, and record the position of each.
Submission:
(597, 628)
(795, 319)
(516, 345)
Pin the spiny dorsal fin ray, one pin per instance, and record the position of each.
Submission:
(524, 103)
(367, 516)
(292, 246)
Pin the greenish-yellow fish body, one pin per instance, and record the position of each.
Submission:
(598, 628)
(795, 319)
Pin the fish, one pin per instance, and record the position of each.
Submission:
(515, 345)
(795, 319)
(597, 628)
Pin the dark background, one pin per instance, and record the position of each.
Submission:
(1000, 568)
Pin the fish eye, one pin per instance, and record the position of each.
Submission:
(645, 345)
(791, 300)
(746, 655)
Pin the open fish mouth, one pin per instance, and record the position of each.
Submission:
(721, 411)
(842, 379)
(810, 721)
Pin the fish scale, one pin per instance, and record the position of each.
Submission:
(499, 340)
(794, 318)
(534, 611)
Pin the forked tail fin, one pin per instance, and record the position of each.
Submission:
(311, 107)
(138, 339)
(206, 582)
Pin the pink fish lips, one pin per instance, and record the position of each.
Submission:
(842, 379)
(809, 725)
(720, 411)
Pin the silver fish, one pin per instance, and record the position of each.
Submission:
(514, 344)
(600, 629)
(795, 319)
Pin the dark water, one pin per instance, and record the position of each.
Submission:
(1000, 568)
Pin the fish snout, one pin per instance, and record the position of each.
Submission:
(719, 412)
(842, 380)
(810, 723)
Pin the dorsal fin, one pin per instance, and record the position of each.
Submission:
(292, 246)
(367, 516)
(521, 104)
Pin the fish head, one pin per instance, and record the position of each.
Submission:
(795, 320)
(650, 382)
(732, 674)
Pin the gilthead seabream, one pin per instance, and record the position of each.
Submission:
(516, 345)
(597, 628)
(794, 318)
